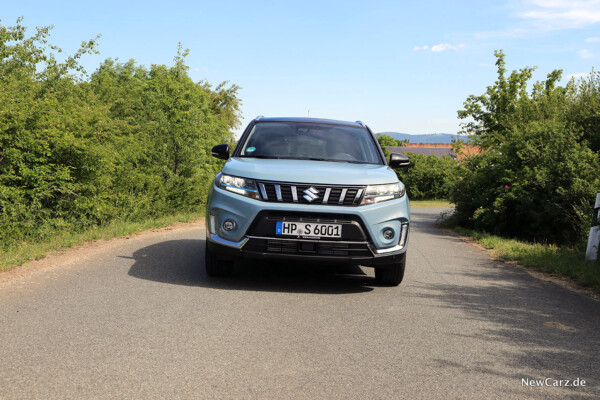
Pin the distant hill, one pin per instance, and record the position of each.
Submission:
(428, 138)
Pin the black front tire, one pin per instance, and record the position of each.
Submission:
(391, 275)
(214, 266)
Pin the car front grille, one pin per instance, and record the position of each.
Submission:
(307, 247)
(285, 192)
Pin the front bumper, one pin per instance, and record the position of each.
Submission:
(251, 248)
(252, 238)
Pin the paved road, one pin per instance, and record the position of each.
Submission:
(142, 320)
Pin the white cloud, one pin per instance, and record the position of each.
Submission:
(196, 69)
(446, 46)
(539, 16)
(592, 40)
(436, 48)
(577, 75)
(585, 54)
(560, 14)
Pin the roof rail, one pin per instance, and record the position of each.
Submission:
(259, 117)
(360, 123)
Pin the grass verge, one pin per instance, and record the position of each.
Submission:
(553, 259)
(430, 203)
(27, 251)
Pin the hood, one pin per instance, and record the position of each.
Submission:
(312, 172)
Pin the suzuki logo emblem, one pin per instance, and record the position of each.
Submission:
(310, 194)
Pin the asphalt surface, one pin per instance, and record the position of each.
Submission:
(142, 320)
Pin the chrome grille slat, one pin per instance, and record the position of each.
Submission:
(358, 194)
(326, 196)
(342, 196)
(263, 191)
(304, 193)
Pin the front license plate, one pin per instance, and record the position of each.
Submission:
(308, 229)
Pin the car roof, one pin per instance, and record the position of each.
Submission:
(309, 120)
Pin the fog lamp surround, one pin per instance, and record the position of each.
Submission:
(212, 223)
(388, 233)
(228, 225)
(403, 235)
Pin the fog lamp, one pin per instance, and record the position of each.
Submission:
(228, 225)
(388, 233)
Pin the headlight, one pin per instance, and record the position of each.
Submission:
(244, 186)
(378, 193)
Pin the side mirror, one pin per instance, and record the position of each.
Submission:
(398, 161)
(220, 151)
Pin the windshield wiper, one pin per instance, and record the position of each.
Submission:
(318, 159)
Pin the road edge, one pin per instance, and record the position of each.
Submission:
(563, 281)
(69, 255)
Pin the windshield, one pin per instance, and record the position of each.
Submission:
(311, 141)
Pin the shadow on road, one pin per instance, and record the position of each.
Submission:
(556, 336)
(181, 262)
(428, 222)
(530, 324)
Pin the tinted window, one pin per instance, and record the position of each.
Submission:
(297, 140)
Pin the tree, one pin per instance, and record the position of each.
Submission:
(536, 176)
(127, 142)
(386, 141)
(584, 107)
(51, 139)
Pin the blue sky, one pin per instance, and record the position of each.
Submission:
(397, 65)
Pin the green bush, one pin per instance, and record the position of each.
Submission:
(127, 142)
(428, 177)
(583, 111)
(537, 176)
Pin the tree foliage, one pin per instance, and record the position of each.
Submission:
(539, 170)
(126, 142)
(386, 141)
(429, 177)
